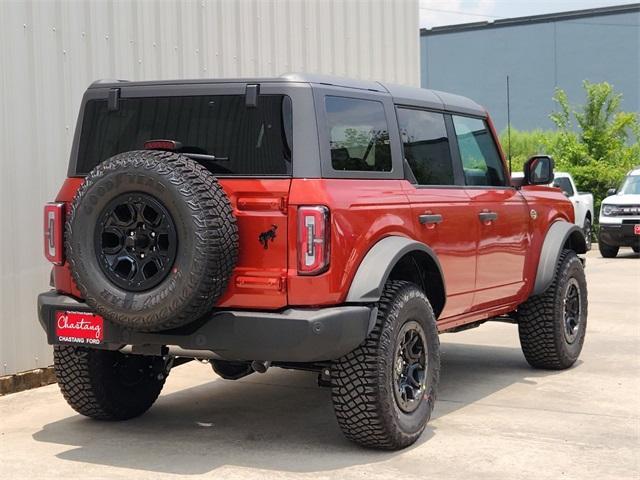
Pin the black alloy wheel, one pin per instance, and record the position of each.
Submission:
(410, 366)
(135, 241)
(572, 311)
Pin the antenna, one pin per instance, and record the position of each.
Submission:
(509, 124)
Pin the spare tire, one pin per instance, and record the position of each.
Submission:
(151, 240)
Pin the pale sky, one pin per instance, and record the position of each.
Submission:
(434, 13)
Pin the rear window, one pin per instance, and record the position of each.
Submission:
(564, 184)
(229, 137)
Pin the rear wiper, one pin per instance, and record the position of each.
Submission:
(202, 156)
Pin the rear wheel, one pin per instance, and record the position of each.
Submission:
(108, 385)
(552, 325)
(384, 390)
(607, 251)
(587, 230)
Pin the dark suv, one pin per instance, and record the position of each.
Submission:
(305, 222)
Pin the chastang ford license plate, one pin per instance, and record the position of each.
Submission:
(636, 229)
(79, 328)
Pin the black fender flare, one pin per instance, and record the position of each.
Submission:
(561, 234)
(376, 266)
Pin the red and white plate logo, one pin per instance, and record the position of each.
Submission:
(636, 229)
(79, 327)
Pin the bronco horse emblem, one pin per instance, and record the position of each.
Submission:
(269, 235)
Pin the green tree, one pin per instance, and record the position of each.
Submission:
(602, 145)
(595, 142)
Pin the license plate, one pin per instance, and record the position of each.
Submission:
(79, 327)
(636, 229)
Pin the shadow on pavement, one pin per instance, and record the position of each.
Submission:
(280, 421)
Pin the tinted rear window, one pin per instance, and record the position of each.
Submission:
(244, 140)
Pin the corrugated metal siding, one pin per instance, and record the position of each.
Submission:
(50, 51)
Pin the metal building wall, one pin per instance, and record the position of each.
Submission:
(50, 51)
(537, 56)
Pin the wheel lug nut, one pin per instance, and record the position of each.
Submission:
(142, 255)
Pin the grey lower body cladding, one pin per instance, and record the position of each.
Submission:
(291, 335)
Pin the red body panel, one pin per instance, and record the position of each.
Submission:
(260, 277)
(454, 240)
(362, 212)
(502, 245)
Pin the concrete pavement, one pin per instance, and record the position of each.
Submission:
(495, 418)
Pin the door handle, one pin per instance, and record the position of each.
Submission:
(429, 219)
(488, 216)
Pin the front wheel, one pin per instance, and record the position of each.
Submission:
(108, 385)
(552, 325)
(608, 251)
(384, 391)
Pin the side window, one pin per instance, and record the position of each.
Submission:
(358, 134)
(481, 161)
(426, 146)
(564, 184)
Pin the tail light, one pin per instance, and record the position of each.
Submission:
(53, 232)
(313, 240)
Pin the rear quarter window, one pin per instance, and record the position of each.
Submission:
(358, 135)
(230, 137)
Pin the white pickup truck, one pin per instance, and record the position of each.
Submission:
(582, 202)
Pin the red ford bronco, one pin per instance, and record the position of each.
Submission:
(304, 222)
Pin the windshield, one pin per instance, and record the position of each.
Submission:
(222, 131)
(631, 185)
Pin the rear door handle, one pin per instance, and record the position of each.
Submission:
(429, 219)
(488, 216)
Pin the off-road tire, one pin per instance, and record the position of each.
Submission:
(108, 385)
(608, 251)
(588, 232)
(362, 382)
(541, 322)
(204, 225)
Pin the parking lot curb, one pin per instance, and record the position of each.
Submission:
(27, 380)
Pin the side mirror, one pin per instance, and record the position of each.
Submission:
(611, 191)
(538, 170)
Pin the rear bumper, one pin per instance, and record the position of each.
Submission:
(292, 335)
(619, 235)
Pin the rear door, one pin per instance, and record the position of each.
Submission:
(499, 212)
(441, 207)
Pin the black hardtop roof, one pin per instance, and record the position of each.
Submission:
(402, 94)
